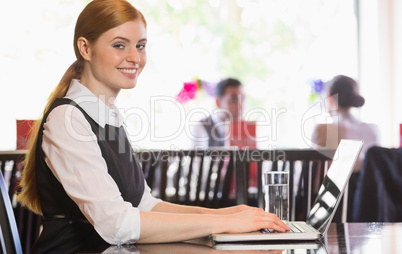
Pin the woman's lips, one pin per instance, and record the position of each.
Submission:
(128, 72)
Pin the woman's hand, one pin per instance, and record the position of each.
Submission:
(171, 223)
(253, 219)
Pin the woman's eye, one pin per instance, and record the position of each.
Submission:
(118, 46)
(140, 46)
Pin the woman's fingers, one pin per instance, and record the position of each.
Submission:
(275, 222)
(277, 227)
(270, 220)
(255, 219)
(280, 223)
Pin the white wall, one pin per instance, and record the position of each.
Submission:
(380, 60)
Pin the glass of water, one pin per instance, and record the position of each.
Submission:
(276, 186)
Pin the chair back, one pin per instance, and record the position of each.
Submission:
(10, 165)
(307, 168)
(28, 224)
(379, 187)
(10, 240)
(189, 177)
(219, 178)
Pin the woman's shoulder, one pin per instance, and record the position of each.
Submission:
(70, 123)
(321, 126)
(325, 127)
(64, 111)
(369, 132)
(322, 136)
(369, 126)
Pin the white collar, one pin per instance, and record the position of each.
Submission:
(93, 106)
(215, 118)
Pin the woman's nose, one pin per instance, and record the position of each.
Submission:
(133, 56)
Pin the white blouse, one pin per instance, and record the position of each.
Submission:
(74, 157)
(328, 136)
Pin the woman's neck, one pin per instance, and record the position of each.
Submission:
(104, 93)
(345, 114)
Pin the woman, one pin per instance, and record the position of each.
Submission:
(80, 173)
(343, 96)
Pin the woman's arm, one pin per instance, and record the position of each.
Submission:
(97, 195)
(170, 227)
(167, 207)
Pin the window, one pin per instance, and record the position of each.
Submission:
(275, 47)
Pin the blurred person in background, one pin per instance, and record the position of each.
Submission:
(343, 96)
(210, 131)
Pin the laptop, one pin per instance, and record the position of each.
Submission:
(305, 247)
(324, 207)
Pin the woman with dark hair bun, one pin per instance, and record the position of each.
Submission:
(343, 96)
(80, 172)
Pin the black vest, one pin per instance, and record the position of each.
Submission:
(214, 137)
(65, 229)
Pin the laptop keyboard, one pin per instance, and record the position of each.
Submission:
(293, 228)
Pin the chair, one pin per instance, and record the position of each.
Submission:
(189, 177)
(10, 240)
(10, 164)
(379, 187)
(306, 167)
(28, 223)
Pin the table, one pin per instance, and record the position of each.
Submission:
(364, 238)
(341, 238)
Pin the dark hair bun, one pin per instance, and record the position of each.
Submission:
(358, 101)
(346, 90)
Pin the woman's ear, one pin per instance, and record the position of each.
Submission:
(83, 47)
(331, 104)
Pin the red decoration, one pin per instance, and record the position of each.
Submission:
(188, 91)
(24, 128)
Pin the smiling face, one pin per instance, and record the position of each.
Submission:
(115, 60)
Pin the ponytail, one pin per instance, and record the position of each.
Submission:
(29, 196)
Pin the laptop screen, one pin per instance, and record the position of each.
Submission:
(334, 183)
